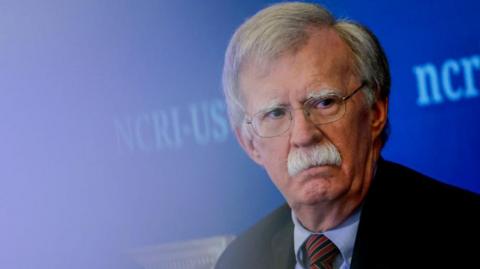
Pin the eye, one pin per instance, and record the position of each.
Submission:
(276, 113)
(324, 102)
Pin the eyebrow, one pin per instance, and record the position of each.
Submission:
(321, 93)
(274, 103)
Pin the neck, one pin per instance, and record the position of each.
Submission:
(323, 217)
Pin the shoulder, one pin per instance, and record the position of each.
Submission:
(402, 204)
(401, 191)
(397, 180)
(252, 247)
(420, 204)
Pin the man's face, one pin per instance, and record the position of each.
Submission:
(324, 62)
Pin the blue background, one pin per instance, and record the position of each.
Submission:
(113, 129)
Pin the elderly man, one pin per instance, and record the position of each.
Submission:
(308, 99)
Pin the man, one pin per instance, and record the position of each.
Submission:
(308, 99)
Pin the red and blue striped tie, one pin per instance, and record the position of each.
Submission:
(321, 251)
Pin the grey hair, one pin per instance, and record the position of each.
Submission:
(284, 27)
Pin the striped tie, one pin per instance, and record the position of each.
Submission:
(320, 251)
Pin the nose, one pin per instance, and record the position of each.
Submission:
(304, 133)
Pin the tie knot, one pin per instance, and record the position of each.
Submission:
(320, 251)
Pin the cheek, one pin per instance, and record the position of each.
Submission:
(363, 131)
(352, 137)
(360, 144)
(274, 155)
(358, 135)
(268, 148)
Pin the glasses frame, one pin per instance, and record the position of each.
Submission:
(343, 99)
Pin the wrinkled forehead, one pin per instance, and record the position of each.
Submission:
(324, 62)
(256, 86)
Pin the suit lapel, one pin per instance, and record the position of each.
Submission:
(372, 242)
(283, 255)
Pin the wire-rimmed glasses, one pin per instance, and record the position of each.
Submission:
(319, 110)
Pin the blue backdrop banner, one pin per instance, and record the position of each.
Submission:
(114, 129)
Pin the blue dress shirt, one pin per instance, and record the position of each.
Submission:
(343, 236)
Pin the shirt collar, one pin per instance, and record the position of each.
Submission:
(343, 236)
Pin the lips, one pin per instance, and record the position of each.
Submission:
(316, 171)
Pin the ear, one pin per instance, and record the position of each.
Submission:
(246, 141)
(379, 116)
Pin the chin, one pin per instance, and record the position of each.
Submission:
(314, 191)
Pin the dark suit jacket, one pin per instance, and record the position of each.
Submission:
(407, 221)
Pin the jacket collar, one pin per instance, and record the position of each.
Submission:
(283, 255)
